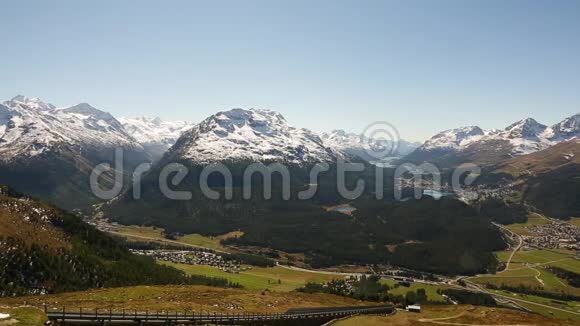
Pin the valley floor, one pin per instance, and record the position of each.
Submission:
(527, 267)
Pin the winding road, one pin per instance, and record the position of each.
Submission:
(516, 249)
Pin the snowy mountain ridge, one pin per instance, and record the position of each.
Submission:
(250, 135)
(525, 136)
(154, 131)
(29, 127)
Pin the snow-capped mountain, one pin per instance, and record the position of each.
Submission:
(49, 152)
(154, 131)
(522, 137)
(353, 144)
(250, 135)
(526, 136)
(527, 128)
(29, 127)
(454, 139)
(568, 129)
(154, 134)
(33, 102)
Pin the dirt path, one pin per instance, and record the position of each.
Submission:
(537, 276)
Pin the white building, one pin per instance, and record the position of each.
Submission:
(414, 308)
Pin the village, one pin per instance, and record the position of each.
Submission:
(553, 235)
(194, 257)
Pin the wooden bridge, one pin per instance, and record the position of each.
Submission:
(298, 316)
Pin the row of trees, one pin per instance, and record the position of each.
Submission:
(468, 297)
(367, 288)
(522, 289)
(572, 278)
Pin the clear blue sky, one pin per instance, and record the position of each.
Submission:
(424, 66)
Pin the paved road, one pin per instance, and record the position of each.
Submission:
(516, 249)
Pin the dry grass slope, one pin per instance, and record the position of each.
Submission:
(191, 298)
(455, 315)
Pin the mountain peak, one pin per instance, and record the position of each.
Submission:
(454, 138)
(567, 129)
(32, 102)
(525, 128)
(89, 110)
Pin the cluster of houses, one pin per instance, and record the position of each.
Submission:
(194, 257)
(501, 191)
(553, 235)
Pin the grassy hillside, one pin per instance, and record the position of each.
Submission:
(185, 297)
(456, 315)
(45, 250)
(260, 278)
(532, 269)
(548, 180)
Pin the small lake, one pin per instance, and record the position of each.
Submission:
(345, 209)
(388, 162)
(437, 194)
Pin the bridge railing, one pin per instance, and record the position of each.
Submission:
(120, 314)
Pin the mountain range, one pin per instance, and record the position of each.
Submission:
(30, 126)
(475, 145)
(49, 152)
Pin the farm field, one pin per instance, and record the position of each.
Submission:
(208, 242)
(455, 315)
(529, 268)
(573, 306)
(430, 290)
(560, 258)
(147, 232)
(259, 278)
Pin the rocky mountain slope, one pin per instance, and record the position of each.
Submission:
(547, 180)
